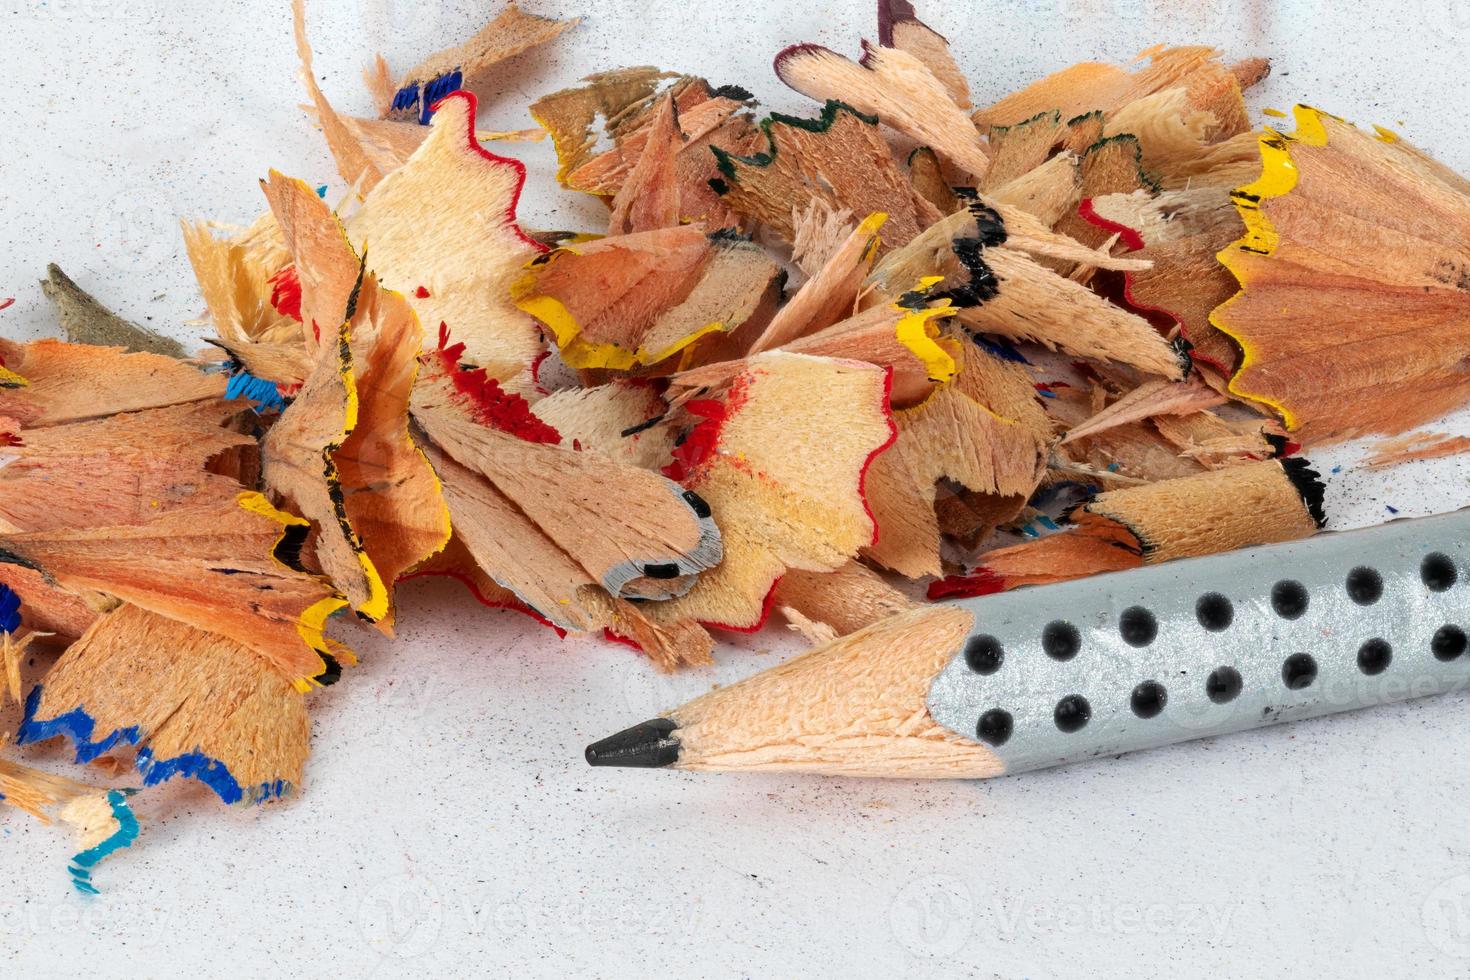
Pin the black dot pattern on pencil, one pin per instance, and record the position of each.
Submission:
(1148, 699)
(1061, 640)
(1223, 685)
(1214, 612)
(984, 654)
(1289, 599)
(1138, 626)
(1438, 572)
(1374, 656)
(995, 727)
(1299, 671)
(1448, 643)
(1364, 585)
(1072, 713)
(1395, 630)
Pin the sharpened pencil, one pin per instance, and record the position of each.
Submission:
(1099, 666)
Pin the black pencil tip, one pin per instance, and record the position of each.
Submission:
(651, 745)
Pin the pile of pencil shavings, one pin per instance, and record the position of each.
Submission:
(897, 334)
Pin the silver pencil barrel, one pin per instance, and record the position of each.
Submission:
(1202, 647)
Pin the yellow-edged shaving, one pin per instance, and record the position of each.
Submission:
(870, 226)
(377, 604)
(1278, 178)
(255, 502)
(312, 624)
(312, 628)
(917, 331)
(581, 354)
(715, 288)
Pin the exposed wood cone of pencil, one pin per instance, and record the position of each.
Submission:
(855, 707)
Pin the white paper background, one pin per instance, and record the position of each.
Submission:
(449, 826)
